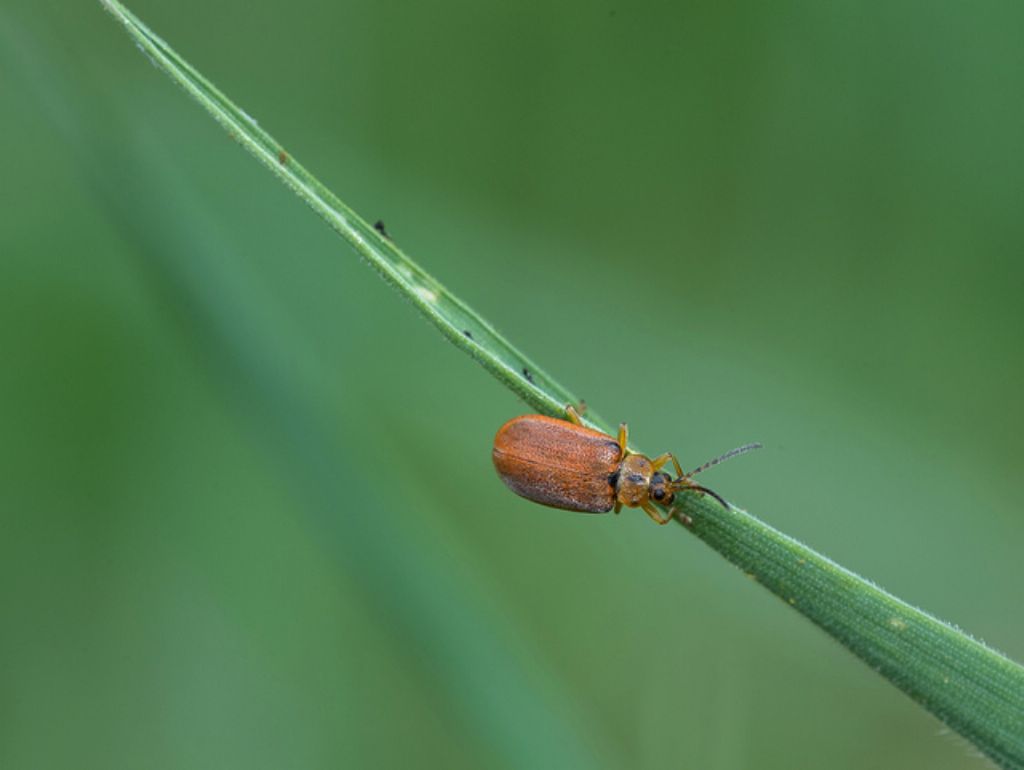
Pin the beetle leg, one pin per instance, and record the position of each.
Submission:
(675, 462)
(618, 507)
(623, 437)
(655, 514)
(685, 520)
(574, 416)
(660, 460)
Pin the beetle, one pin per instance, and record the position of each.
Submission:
(564, 464)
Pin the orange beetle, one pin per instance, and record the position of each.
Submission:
(567, 465)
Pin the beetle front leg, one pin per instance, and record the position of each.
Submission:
(675, 462)
(655, 514)
(659, 462)
(677, 513)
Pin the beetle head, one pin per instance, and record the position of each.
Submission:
(661, 490)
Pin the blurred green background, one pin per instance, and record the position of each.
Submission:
(249, 517)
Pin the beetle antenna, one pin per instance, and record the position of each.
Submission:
(721, 459)
(715, 495)
(683, 484)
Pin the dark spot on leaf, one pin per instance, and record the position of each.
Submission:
(527, 375)
(379, 227)
(468, 335)
(282, 157)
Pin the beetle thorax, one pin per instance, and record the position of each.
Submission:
(634, 480)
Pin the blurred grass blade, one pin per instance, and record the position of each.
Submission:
(975, 690)
(411, 575)
(409, 578)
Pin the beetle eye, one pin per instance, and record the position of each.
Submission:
(658, 494)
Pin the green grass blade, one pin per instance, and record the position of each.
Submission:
(972, 688)
(459, 323)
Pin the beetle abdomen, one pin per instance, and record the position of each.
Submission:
(557, 463)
